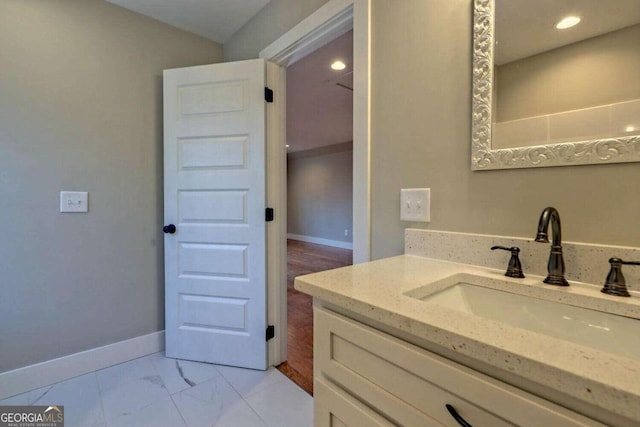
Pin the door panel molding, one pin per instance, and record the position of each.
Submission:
(215, 194)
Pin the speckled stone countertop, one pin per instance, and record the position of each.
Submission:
(376, 291)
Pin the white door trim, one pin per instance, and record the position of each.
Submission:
(330, 21)
(362, 131)
(276, 198)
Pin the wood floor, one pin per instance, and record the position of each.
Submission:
(305, 258)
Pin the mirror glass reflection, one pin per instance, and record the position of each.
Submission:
(554, 85)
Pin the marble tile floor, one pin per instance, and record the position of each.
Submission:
(158, 391)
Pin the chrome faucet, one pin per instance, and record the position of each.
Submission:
(556, 261)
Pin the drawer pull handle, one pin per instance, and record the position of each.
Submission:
(456, 416)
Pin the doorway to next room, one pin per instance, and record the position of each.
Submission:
(305, 258)
(319, 186)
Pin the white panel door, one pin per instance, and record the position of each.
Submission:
(214, 195)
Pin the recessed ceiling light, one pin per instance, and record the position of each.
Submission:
(338, 65)
(288, 145)
(629, 129)
(567, 22)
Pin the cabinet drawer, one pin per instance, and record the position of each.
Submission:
(334, 407)
(411, 386)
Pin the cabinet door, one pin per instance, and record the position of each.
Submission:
(409, 385)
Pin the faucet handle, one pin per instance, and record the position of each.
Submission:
(514, 269)
(615, 283)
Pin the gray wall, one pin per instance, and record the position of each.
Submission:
(81, 109)
(320, 192)
(421, 107)
(421, 137)
(275, 19)
(603, 70)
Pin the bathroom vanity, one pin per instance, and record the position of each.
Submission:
(418, 341)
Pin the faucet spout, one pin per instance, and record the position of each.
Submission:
(555, 266)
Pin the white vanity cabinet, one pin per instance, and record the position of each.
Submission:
(365, 377)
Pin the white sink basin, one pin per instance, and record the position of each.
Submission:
(478, 296)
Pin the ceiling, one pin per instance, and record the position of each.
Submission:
(525, 27)
(319, 99)
(216, 20)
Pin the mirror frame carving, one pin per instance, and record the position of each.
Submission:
(483, 157)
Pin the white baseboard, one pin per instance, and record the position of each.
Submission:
(52, 371)
(320, 241)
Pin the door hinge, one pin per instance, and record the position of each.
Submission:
(268, 214)
(271, 332)
(268, 94)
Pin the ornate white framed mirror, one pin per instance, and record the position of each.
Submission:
(545, 96)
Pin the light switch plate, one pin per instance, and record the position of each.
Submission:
(74, 201)
(415, 204)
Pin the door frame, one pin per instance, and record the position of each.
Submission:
(330, 21)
